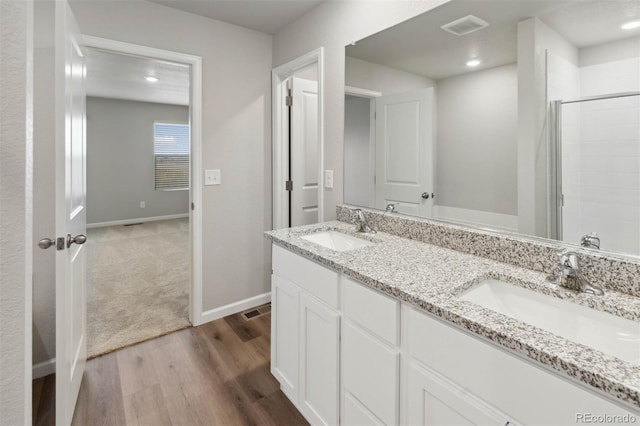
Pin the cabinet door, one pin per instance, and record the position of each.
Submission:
(434, 401)
(319, 361)
(371, 372)
(284, 335)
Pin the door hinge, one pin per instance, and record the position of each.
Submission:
(288, 185)
(288, 99)
(193, 206)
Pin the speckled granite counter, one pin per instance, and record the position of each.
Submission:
(431, 278)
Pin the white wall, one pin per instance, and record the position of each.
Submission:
(383, 79)
(236, 138)
(534, 39)
(16, 173)
(477, 139)
(333, 25)
(120, 162)
(358, 171)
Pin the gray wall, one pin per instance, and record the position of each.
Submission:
(120, 163)
(16, 171)
(608, 52)
(357, 155)
(477, 139)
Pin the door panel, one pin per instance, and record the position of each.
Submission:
(71, 212)
(284, 335)
(319, 367)
(304, 152)
(404, 151)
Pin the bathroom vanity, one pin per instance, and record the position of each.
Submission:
(382, 334)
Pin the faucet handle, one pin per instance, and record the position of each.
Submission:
(568, 259)
(590, 240)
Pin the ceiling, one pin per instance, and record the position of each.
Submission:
(112, 75)
(427, 50)
(267, 16)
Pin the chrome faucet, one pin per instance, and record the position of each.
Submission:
(590, 241)
(570, 275)
(361, 223)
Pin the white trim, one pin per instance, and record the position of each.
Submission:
(362, 93)
(234, 308)
(138, 220)
(477, 218)
(195, 193)
(279, 76)
(44, 368)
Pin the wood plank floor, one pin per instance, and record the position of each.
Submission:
(215, 374)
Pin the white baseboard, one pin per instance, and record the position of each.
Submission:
(44, 368)
(234, 308)
(138, 220)
(500, 221)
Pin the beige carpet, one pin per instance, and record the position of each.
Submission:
(138, 283)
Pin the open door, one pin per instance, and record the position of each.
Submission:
(71, 212)
(404, 152)
(304, 152)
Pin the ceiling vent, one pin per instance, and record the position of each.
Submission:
(466, 25)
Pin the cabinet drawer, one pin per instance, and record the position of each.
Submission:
(318, 280)
(370, 372)
(504, 380)
(371, 310)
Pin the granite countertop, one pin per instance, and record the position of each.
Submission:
(431, 277)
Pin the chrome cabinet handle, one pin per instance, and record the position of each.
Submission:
(78, 239)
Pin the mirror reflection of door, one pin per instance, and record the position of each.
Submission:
(303, 159)
(404, 152)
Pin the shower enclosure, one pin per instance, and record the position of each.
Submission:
(595, 184)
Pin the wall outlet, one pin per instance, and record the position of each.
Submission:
(142, 204)
(212, 177)
(328, 178)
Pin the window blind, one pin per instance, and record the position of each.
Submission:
(171, 150)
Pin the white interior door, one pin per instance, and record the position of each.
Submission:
(71, 212)
(404, 152)
(304, 152)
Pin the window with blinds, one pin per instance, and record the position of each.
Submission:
(171, 149)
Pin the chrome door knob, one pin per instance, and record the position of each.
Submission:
(78, 239)
(45, 243)
(425, 195)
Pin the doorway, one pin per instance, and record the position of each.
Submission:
(298, 175)
(138, 185)
(168, 240)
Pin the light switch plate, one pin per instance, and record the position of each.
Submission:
(328, 178)
(212, 177)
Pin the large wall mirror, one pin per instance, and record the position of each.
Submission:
(514, 115)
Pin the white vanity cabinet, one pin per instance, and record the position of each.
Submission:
(305, 328)
(370, 356)
(451, 374)
(345, 353)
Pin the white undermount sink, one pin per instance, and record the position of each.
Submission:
(337, 241)
(607, 333)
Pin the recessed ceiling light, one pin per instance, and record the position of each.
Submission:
(473, 63)
(631, 25)
(151, 78)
